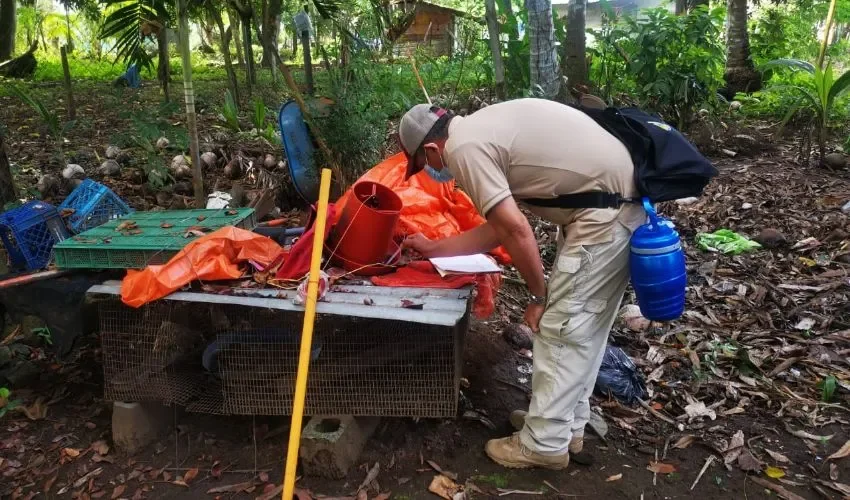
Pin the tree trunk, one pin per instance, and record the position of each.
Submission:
(226, 34)
(575, 48)
(495, 47)
(246, 15)
(681, 7)
(69, 44)
(189, 96)
(69, 92)
(740, 75)
(827, 29)
(163, 69)
(545, 81)
(236, 28)
(7, 183)
(8, 23)
(271, 32)
(308, 62)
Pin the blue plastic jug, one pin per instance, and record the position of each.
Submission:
(657, 265)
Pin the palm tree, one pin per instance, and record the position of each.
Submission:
(133, 21)
(740, 75)
(495, 47)
(574, 57)
(543, 54)
(189, 96)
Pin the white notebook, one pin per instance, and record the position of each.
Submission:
(465, 264)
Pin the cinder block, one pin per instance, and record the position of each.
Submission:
(136, 425)
(330, 445)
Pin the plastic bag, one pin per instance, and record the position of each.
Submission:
(725, 241)
(618, 376)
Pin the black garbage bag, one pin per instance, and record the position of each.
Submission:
(619, 377)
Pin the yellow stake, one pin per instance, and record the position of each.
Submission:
(306, 339)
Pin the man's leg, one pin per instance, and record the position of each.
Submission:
(582, 410)
(584, 295)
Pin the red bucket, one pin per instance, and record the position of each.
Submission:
(364, 232)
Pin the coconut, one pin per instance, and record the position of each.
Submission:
(835, 160)
(209, 159)
(178, 161)
(630, 315)
(184, 188)
(182, 172)
(233, 170)
(162, 143)
(112, 152)
(163, 198)
(69, 185)
(73, 171)
(109, 168)
(270, 161)
(48, 185)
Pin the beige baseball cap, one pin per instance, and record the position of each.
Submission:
(415, 125)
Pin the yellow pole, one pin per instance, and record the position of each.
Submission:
(306, 339)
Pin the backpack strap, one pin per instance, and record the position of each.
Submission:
(588, 199)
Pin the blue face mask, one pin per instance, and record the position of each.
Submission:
(439, 175)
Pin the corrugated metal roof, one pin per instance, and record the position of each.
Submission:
(430, 306)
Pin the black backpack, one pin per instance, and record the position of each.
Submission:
(667, 166)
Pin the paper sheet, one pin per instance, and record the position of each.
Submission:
(465, 264)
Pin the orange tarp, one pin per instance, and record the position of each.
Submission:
(215, 256)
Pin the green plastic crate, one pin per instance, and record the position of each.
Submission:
(105, 248)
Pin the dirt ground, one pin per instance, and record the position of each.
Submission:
(764, 333)
(223, 448)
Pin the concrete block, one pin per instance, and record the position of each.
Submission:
(136, 425)
(330, 445)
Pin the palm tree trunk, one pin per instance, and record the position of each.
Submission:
(830, 17)
(575, 49)
(163, 70)
(189, 96)
(226, 34)
(740, 75)
(70, 42)
(236, 26)
(8, 23)
(543, 62)
(495, 47)
(271, 32)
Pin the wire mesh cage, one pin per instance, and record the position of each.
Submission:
(236, 359)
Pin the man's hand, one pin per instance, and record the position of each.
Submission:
(533, 313)
(421, 244)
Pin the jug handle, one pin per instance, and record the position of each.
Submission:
(650, 211)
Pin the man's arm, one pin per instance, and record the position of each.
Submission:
(480, 239)
(514, 233)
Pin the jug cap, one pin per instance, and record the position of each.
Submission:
(657, 233)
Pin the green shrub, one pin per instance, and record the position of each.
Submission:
(667, 63)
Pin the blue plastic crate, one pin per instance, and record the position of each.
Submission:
(29, 233)
(92, 205)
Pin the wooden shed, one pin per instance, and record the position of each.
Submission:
(433, 26)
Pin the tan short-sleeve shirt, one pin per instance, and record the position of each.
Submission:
(535, 148)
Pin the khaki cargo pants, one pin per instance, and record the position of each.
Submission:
(585, 290)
